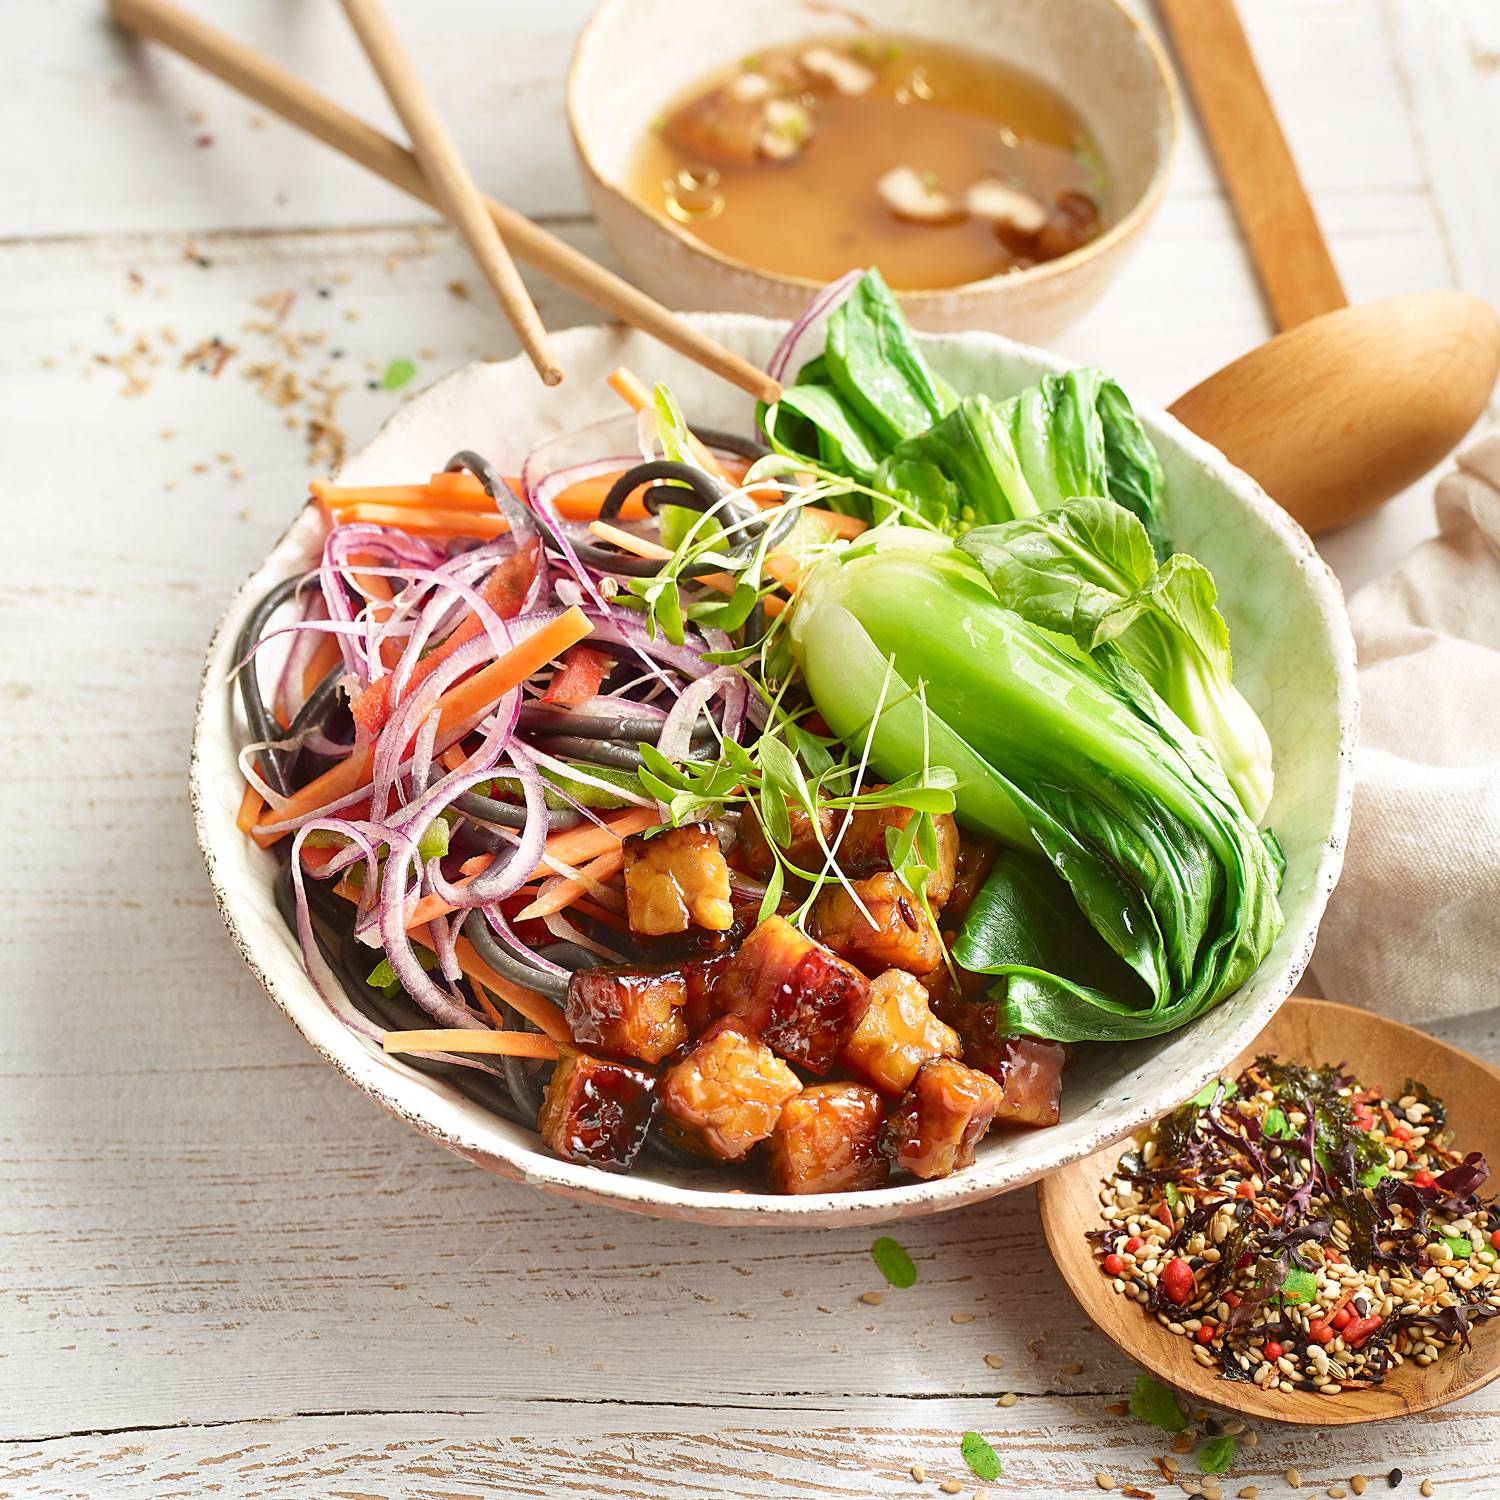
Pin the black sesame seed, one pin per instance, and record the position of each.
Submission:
(372, 385)
(1394, 1478)
(325, 291)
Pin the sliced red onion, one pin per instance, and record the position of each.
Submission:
(441, 937)
(442, 1005)
(324, 980)
(508, 935)
(506, 876)
(822, 304)
(677, 732)
(334, 569)
(560, 927)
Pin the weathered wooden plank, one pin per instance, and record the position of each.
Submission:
(865, 1447)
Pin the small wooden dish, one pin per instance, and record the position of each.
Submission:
(1380, 1052)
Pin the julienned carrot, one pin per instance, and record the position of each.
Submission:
(536, 1008)
(633, 392)
(503, 1043)
(561, 891)
(504, 590)
(427, 521)
(460, 491)
(325, 658)
(572, 847)
(576, 845)
(459, 707)
(628, 541)
(252, 805)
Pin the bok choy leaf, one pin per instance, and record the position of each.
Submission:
(1087, 570)
(1139, 894)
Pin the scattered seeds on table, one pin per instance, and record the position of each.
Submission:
(1008, 1399)
(873, 1298)
(961, 1317)
(1425, 1487)
(919, 1473)
(951, 1487)
(1294, 1478)
(995, 1362)
(1104, 1481)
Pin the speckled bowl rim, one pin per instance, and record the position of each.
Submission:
(916, 299)
(414, 1097)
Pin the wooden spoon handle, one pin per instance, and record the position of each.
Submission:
(1291, 256)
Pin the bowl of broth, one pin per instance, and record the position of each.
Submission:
(997, 159)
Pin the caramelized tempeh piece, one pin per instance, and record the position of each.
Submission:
(729, 1090)
(804, 1000)
(596, 1111)
(898, 1034)
(637, 1012)
(902, 937)
(828, 1141)
(675, 878)
(975, 856)
(862, 850)
(1028, 1070)
(803, 851)
(941, 1118)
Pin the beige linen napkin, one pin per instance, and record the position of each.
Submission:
(1413, 928)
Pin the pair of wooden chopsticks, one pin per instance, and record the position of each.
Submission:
(423, 176)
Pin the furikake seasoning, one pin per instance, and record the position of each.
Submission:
(1304, 1231)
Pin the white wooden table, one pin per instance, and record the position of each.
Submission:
(224, 1271)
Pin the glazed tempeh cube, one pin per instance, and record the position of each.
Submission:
(676, 878)
(828, 1141)
(803, 1000)
(863, 850)
(941, 1118)
(636, 1012)
(897, 1034)
(803, 851)
(901, 936)
(1029, 1072)
(596, 1111)
(728, 1091)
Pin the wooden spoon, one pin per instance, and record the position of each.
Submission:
(1348, 406)
(1378, 1051)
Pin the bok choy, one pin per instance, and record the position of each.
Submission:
(1087, 570)
(871, 410)
(1135, 892)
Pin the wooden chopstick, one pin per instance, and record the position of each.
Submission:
(281, 92)
(461, 201)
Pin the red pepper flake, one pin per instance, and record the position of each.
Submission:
(1360, 1329)
(203, 140)
(1164, 1213)
(1423, 1179)
(1342, 1319)
(1319, 1332)
(1401, 1132)
(1232, 1298)
(1177, 1281)
(1244, 1190)
(1135, 1242)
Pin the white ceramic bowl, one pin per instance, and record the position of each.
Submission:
(1294, 658)
(635, 57)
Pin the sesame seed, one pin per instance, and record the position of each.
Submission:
(1008, 1399)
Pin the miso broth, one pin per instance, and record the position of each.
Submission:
(937, 164)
